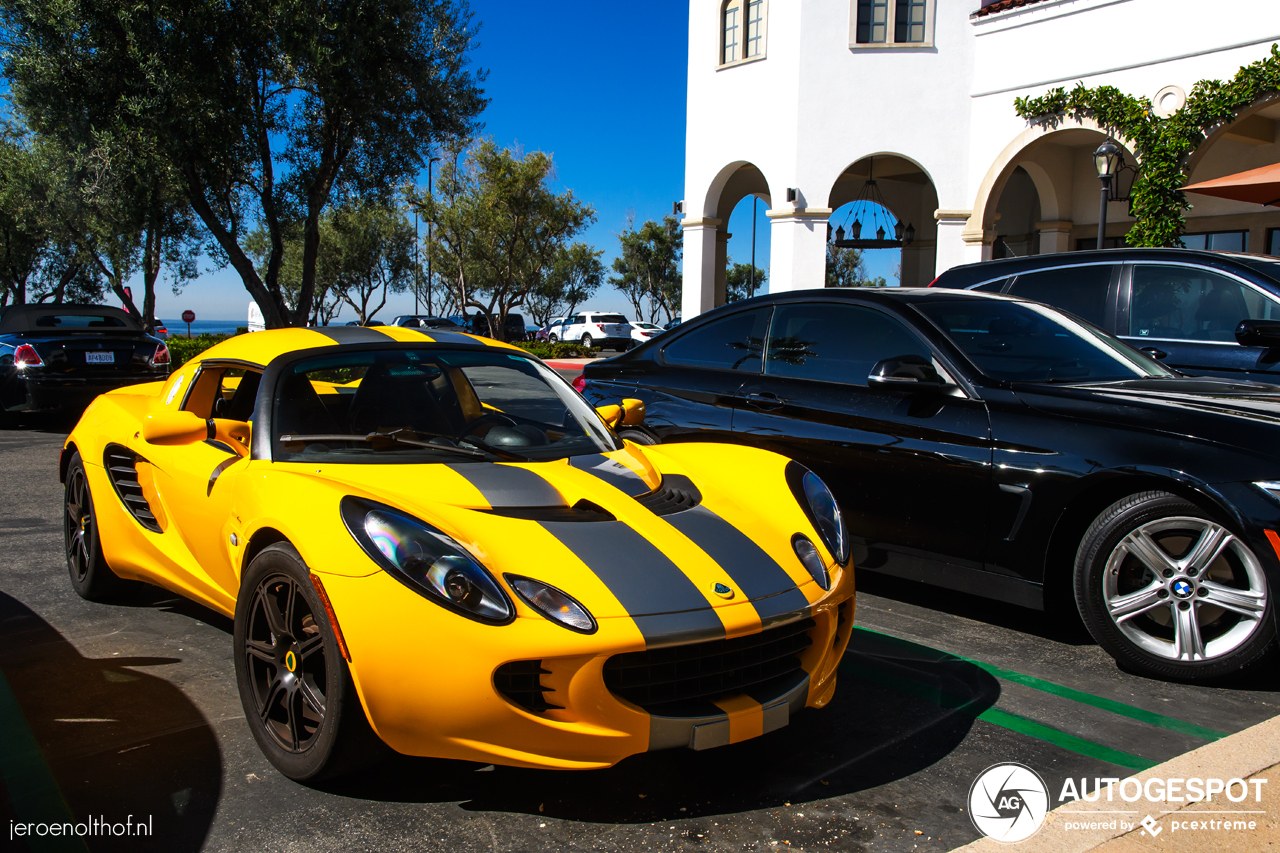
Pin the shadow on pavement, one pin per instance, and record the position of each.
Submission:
(118, 740)
(895, 713)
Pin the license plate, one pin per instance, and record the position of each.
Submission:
(99, 358)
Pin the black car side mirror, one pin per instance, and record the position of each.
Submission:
(905, 371)
(1258, 333)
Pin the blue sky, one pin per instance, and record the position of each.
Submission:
(597, 85)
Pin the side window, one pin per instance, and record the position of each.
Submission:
(996, 286)
(1185, 303)
(228, 393)
(734, 343)
(836, 343)
(1079, 290)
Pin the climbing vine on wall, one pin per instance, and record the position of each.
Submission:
(1162, 145)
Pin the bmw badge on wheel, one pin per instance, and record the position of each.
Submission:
(1008, 802)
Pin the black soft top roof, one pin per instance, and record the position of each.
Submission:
(26, 318)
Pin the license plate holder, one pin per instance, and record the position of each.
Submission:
(100, 358)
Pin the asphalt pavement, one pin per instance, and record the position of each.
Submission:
(130, 709)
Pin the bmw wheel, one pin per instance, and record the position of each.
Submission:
(586, 341)
(91, 577)
(1171, 592)
(294, 682)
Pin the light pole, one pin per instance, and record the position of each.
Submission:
(431, 191)
(752, 291)
(1106, 159)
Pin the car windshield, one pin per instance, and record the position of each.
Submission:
(418, 405)
(1027, 342)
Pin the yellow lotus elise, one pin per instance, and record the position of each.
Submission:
(434, 541)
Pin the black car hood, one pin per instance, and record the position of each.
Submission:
(1243, 415)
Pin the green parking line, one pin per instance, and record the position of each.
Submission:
(1004, 719)
(1102, 703)
(33, 792)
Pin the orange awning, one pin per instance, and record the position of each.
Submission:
(1260, 186)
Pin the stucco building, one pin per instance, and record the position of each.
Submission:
(796, 101)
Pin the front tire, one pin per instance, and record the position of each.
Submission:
(1170, 592)
(294, 683)
(586, 341)
(91, 577)
(553, 338)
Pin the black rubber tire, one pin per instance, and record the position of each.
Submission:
(1100, 541)
(553, 338)
(586, 341)
(91, 577)
(637, 436)
(342, 741)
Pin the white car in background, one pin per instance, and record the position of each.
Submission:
(641, 332)
(597, 329)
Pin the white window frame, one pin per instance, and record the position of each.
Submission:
(930, 17)
(743, 27)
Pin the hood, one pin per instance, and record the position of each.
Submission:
(1241, 415)
(613, 532)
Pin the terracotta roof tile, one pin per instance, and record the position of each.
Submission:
(1002, 6)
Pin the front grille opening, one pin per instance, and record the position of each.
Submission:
(662, 680)
(122, 469)
(520, 683)
(676, 494)
(842, 616)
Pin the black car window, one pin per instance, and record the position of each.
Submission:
(734, 343)
(1079, 290)
(609, 318)
(836, 343)
(1190, 304)
(1025, 342)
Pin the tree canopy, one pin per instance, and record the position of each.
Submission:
(648, 267)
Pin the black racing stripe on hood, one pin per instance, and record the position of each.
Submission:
(451, 338)
(614, 473)
(504, 485)
(783, 607)
(352, 334)
(660, 598)
(756, 574)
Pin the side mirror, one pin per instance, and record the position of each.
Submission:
(904, 371)
(1258, 333)
(629, 413)
(168, 427)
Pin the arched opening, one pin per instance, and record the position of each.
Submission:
(747, 249)
(882, 229)
(1043, 194)
(1249, 142)
(729, 204)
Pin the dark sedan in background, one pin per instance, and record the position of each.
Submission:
(1185, 307)
(59, 357)
(999, 447)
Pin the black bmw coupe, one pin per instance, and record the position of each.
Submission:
(1001, 447)
(59, 357)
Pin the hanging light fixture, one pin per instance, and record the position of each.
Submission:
(870, 202)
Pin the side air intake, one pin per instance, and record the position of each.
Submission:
(122, 469)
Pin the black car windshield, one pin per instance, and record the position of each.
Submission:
(419, 405)
(1028, 342)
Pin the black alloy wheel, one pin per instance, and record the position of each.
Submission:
(91, 578)
(294, 684)
(1171, 592)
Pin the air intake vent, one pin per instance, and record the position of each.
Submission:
(520, 683)
(676, 494)
(581, 511)
(656, 680)
(122, 467)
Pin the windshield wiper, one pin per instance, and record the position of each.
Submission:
(500, 452)
(387, 439)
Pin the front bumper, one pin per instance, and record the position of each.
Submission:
(428, 686)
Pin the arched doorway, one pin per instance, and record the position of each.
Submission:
(882, 209)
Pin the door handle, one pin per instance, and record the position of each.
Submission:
(764, 400)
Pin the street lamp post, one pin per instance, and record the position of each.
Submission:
(431, 191)
(1106, 159)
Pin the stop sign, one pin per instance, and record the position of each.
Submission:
(188, 316)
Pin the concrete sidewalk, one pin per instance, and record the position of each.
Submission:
(1112, 824)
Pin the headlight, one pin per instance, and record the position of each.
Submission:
(426, 560)
(558, 606)
(820, 506)
(812, 560)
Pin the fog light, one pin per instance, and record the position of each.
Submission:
(556, 605)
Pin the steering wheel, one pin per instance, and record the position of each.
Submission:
(488, 418)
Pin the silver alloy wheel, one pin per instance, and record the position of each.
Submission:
(1193, 578)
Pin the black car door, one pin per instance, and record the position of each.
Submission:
(690, 386)
(910, 468)
(1190, 313)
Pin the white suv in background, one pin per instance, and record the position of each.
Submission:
(597, 329)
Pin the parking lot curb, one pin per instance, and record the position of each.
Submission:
(1244, 755)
